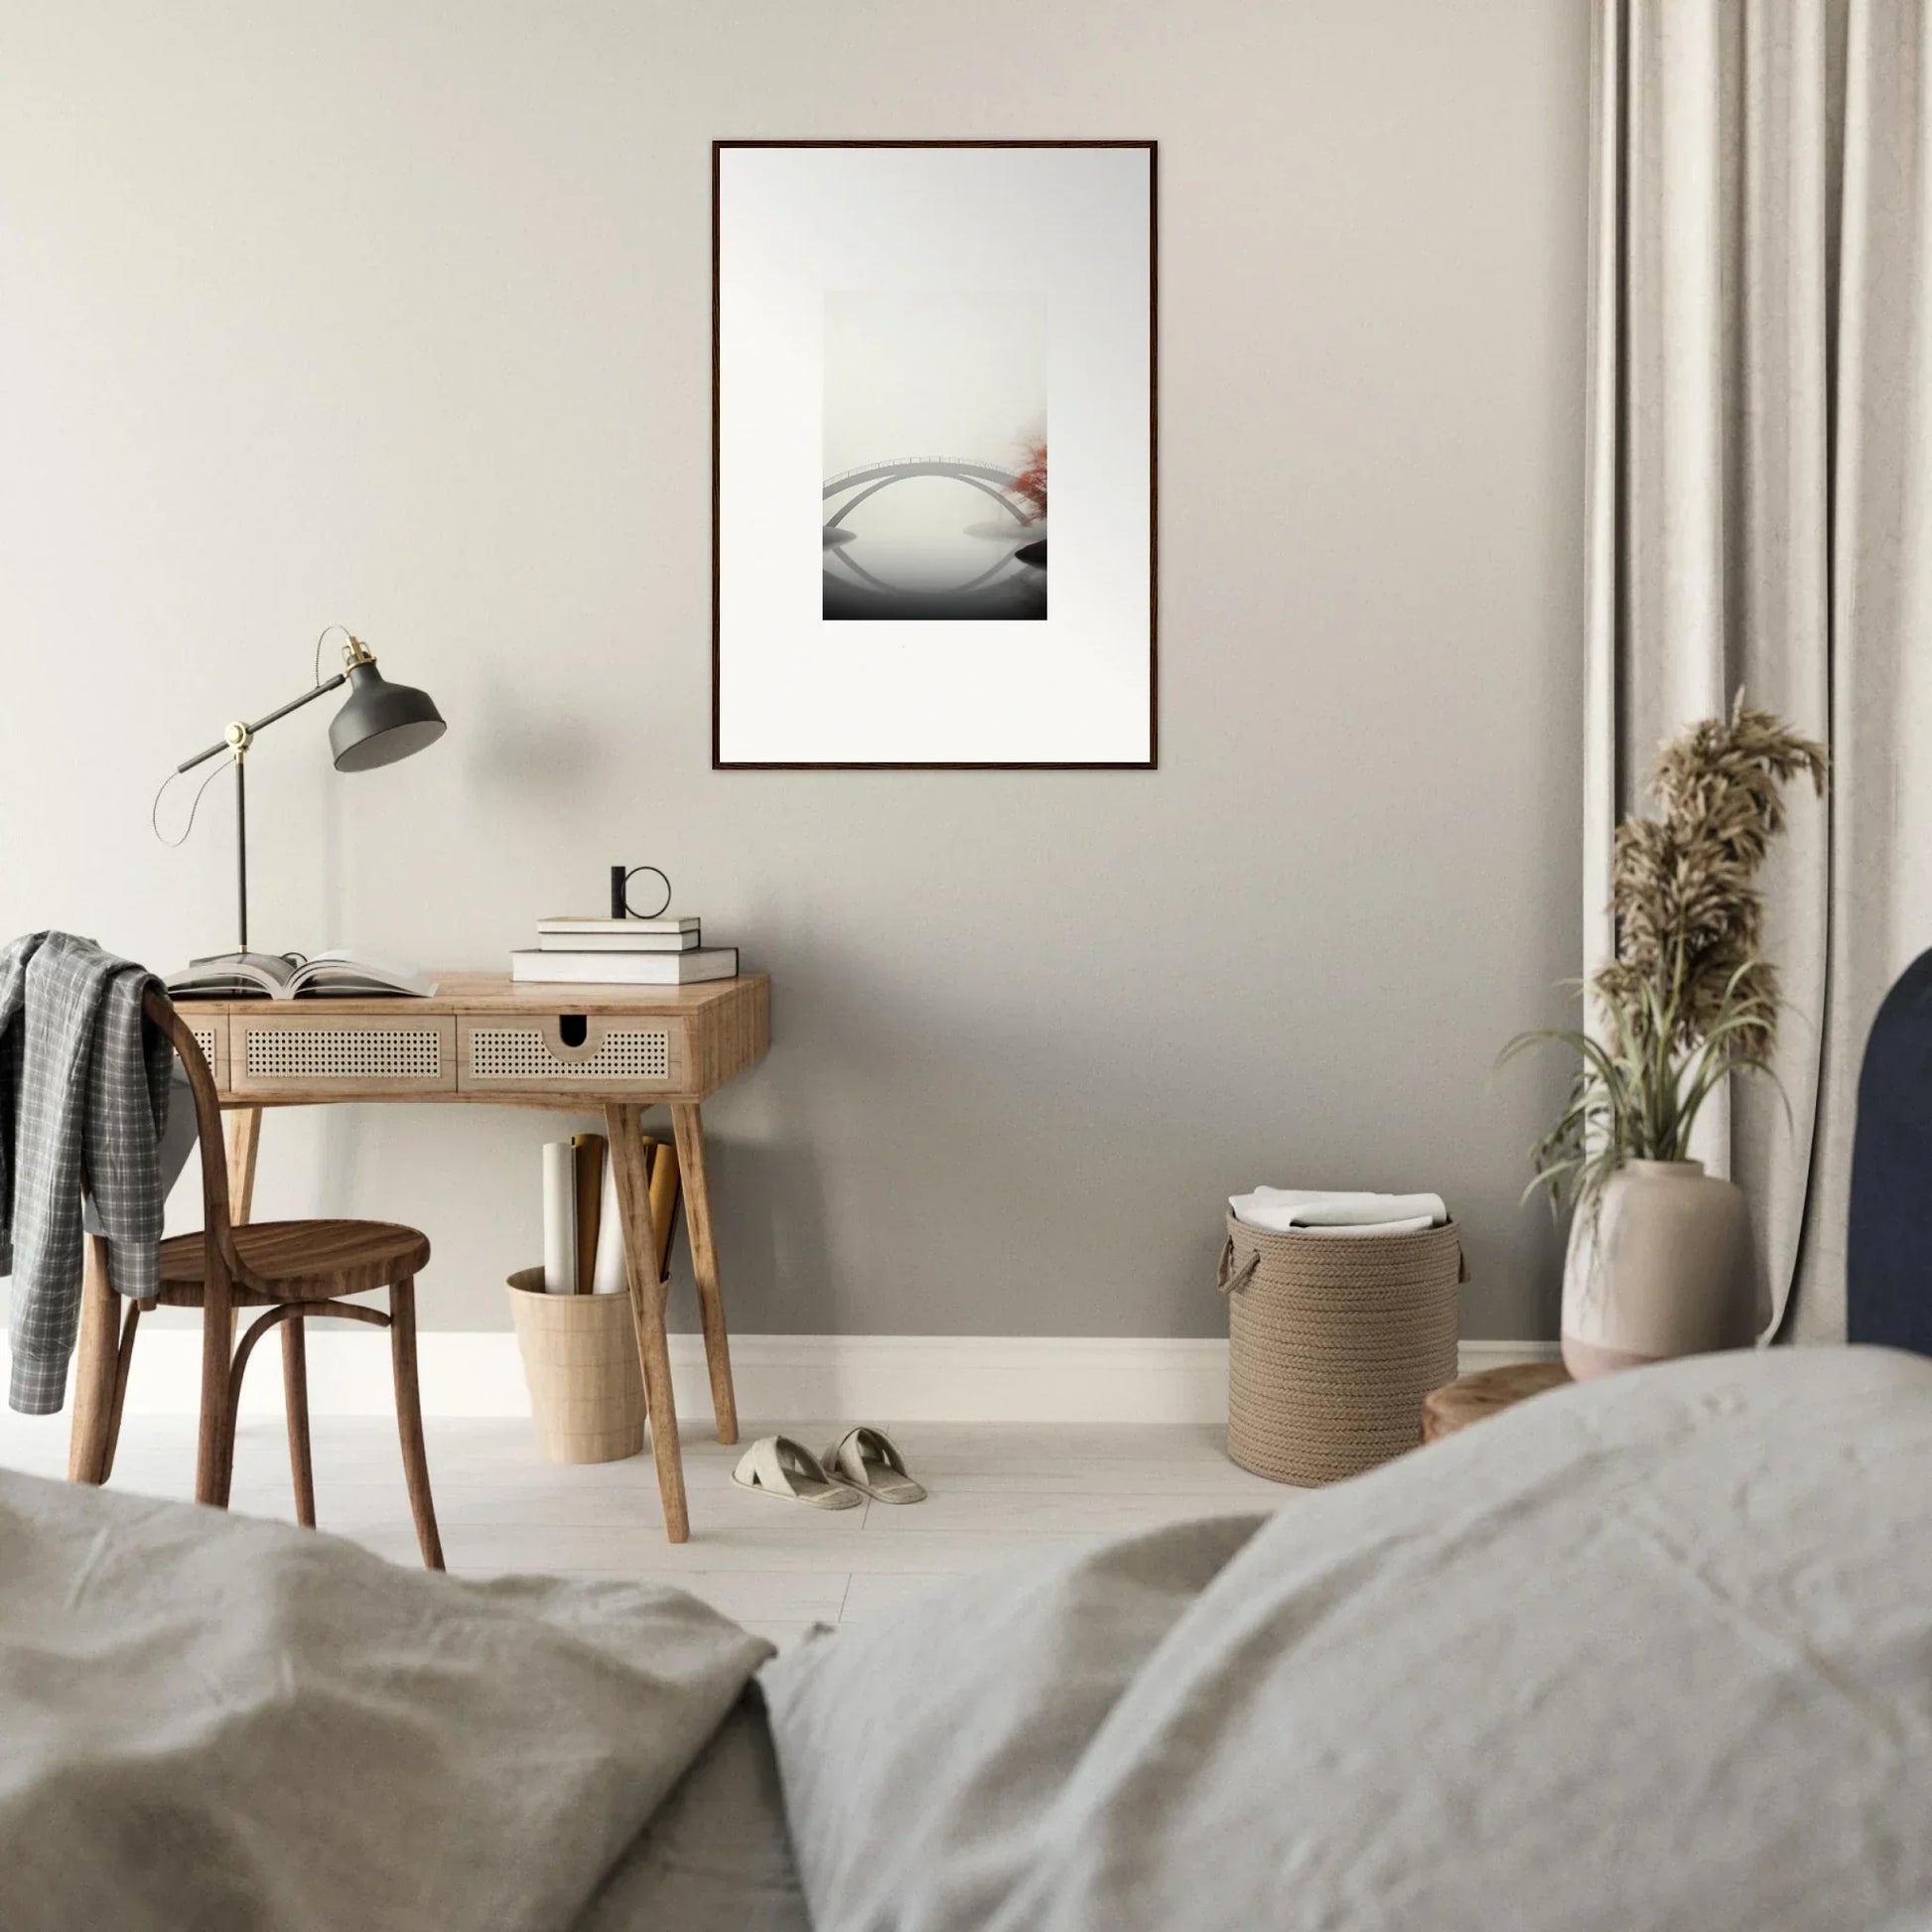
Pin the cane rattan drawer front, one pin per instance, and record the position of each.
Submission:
(210, 1030)
(566, 1053)
(311, 1051)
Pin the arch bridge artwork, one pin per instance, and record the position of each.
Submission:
(906, 320)
(945, 579)
(868, 478)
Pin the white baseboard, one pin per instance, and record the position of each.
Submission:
(1473, 1356)
(778, 1378)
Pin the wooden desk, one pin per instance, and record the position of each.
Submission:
(484, 1042)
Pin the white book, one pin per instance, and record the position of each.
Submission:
(559, 923)
(559, 1218)
(289, 976)
(624, 968)
(619, 941)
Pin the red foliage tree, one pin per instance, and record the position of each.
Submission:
(1030, 483)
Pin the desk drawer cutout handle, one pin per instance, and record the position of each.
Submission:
(609, 1052)
(343, 1052)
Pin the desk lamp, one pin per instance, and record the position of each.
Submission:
(379, 723)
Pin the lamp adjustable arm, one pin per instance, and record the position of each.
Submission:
(240, 734)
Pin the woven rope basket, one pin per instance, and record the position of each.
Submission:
(1333, 1341)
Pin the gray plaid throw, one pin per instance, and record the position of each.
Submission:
(84, 1091)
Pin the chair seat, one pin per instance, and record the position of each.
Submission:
(299, 1261)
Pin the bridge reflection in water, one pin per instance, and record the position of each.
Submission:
(976, 570)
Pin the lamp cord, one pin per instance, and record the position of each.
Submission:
(154, 810)
(316, 675)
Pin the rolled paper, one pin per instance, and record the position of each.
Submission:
(559, 1218)
(607, 1276)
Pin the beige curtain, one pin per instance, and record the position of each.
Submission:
(1760, 514)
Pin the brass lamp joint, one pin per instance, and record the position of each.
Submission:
(356, 652)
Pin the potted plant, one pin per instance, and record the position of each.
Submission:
(1659, 1261)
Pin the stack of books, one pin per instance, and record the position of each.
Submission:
(623, 952)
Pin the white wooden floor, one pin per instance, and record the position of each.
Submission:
(998, 1490)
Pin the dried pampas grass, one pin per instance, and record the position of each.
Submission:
(1689, 998)
(1690, 921)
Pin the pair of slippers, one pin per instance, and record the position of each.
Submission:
(863, 1462)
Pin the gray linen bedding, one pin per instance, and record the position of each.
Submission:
(1655, 1652)
(213, 1723)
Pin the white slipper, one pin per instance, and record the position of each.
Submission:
(866, 1459)
(775, 1465)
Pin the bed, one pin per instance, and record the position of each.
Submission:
(1653, 1651)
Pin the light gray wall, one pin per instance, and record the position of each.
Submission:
(400, 314)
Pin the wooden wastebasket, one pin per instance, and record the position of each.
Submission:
(580, 1362)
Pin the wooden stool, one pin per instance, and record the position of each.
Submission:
(1486, 1393)
(293, 1270)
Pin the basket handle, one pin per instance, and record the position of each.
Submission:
(1230, 1278)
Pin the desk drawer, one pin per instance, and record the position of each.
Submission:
(564, 1052)
(210, 1030)
(309, 1050)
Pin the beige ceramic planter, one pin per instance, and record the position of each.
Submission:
(1659, 1265)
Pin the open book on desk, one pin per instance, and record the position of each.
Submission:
(289, 976)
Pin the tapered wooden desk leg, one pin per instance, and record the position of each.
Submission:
(624, 1126)
(689, 1128)
(123, 1367)
(245, 1130)
(94, 1364)
(244, 1126)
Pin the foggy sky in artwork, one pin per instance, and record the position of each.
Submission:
(912, 373)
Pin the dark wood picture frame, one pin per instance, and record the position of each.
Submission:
(1153, 760)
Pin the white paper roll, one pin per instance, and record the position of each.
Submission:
(607, 1277)
(559, 1218)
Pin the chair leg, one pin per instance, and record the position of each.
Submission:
(94, 1366)
(295, 1399)
(214, 1448)
(409, 1417)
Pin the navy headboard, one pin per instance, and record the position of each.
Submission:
(1888, 1242)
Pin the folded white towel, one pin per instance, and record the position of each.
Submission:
(1319, 1211)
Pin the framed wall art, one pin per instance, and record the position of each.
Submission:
(940, 337)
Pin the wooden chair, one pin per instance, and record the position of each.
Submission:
(293, 1270)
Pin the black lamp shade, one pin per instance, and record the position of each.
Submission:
(382, 721)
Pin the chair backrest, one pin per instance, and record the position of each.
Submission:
(217, 1225)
